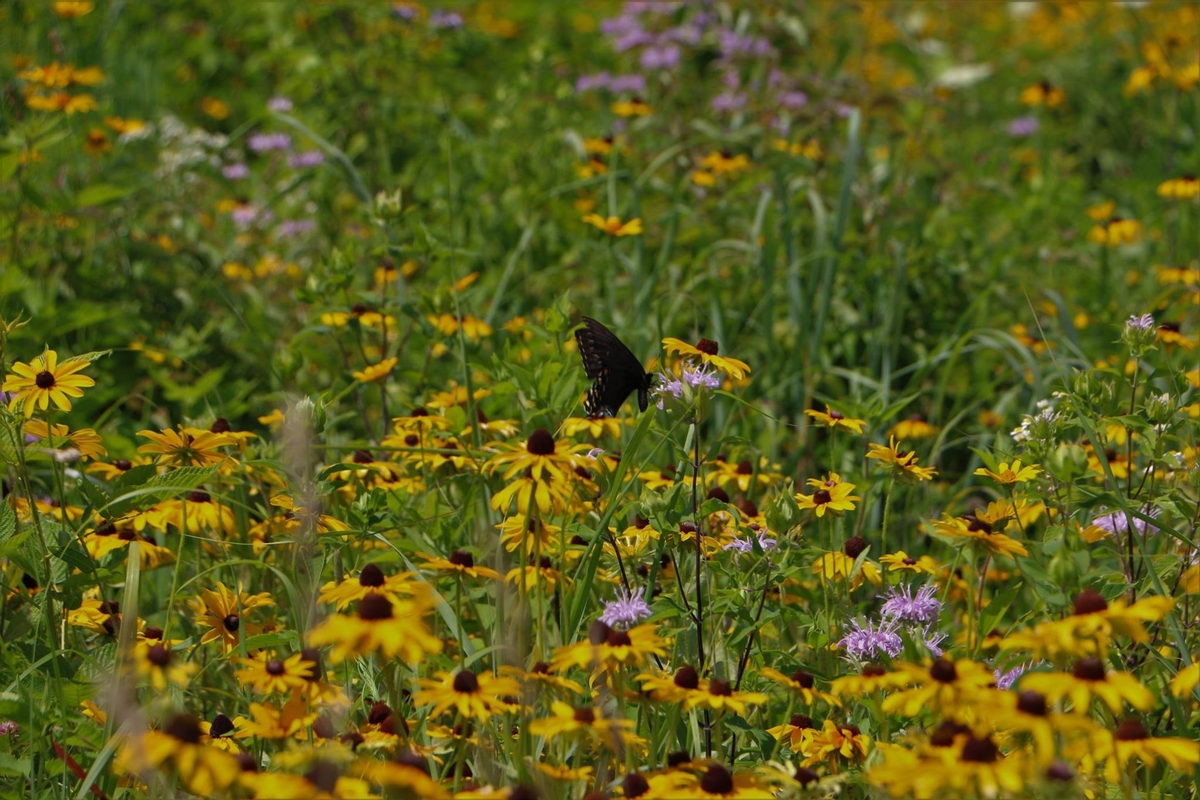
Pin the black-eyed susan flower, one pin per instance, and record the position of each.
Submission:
(1115, 232)
(375, 372)
(460, 564)
(720, 696)
(186, 447)
(269, 721)
(1043, 93)
(606, 647)
(473, 328)
(1171, 335)
(798, 731)
(1185, 187)
(613, 226)
(371, 579)
(974, 529)
(406, 772)
(705, 352)
(163, 668)
(902, 464)
(669, 688)
(1089, 629)
(222, 612)
(801, 683)
(873, 678)
(390, 628)
(720, 162)
(834, 744)
(944, 685)
(470, 695)
(45, 380)
(179, 748)
(836, 419)
(220, 733)
(1131, 741)
(538, 572)
(901, 561)
(196, 512)
(634, 107)
(832, 495)
(1008, 474)
(1087, 679)
(541, 675)
(85, 440)
(549, 473)
(269, 674)
(566, 719)
(839, 565)
(914, 427)
(717, 781)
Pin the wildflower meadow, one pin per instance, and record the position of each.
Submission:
(570, 401)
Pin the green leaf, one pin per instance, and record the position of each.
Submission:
(8, 523)
(990, 617)
(101, 193)
(11, 765)
(159, 488)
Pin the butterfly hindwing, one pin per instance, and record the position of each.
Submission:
(613, 368)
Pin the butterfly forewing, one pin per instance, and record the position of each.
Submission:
(613, 368)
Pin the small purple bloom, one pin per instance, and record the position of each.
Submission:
(933, 642)
(684, 34)
(309, 158)
(921, 607)
(627, 83)
(1116, 523)
(265, 142)
(793, 100)
(445, 19)
(294, 227)
(701, 377)
(1005, 680)
(650, 7)
(235, 172)
(620, 25)
(871, 641)
(741, 546)
(627, 610)
(598, 80)
(1143, 323)
(244, 216)
(8, 727)
(664, 57)
(280, 104)
(404, 11)
(595, 453)
(1023, 126)
(632, 39)
(728, 101)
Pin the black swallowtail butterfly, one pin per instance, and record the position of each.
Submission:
(613, 368)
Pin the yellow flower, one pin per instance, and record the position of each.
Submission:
(1101, 211)
(85, 440)
(1185, 681)
(1043, 93)
(293, 718)
(835, 742)
(62, 101)
(72, 9)
(161, 666)
(1089, 679)
(44, 380)
(613, 225)
(203, 770)
(915, 427)
(566, 719)
(720, 163)
(266, 674)
(381, 625)
(471, 696)
(705, 351)
(461, 563)
(611, 648)
(944, 685)
(223, 614)
(124, 126)
(631, 108)
(1116, 232)
(217, 109)
(1186, 187)
(802, 683)
(187, 447)
(831, 495)
(1132, 741)
(838, 565)
(702, 178)
(903, 464)
(719, 695)
(1011, 473)
(835, 419)
(981, 531)
(371, 579)
(376, 371)
(901, 561)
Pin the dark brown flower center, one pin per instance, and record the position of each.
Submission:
(635, 785)
(720, 688)
(541, 668)
(618, 639)
(686, 677)
(1089, 669)
(220, 425)
(1131, 729)
(275, 667)
(1058, 771)
(585, 715)
(874, 671)
(372, 576)
(123, 464)
(152, 632)
(541, 443)
(854, 546)
(323, 775)
(598, 633)
(821, 497)
(708, 347)
(374, 607)
(159, 656)
(184, 728)
(805, 679)
(943, 671)
(412, 440)
(1089, 601)
(802, 721)
(1030, 702)
(980, 751)
(977, 525)
(221, 726)
(717, 493)
(410, 759)
(678, 757)
(199, 496)
(836, 415)
(805, 776)
(314, 655)
(946, 732)
(378, 713)
(232, 622)
(909, 561)
(44, 380)
(362, 457)
(744, 467)
(461, 558)
(717, 780)
(465, 682)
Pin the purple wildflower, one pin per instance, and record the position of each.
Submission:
(445, 19)
(871, 641)
(650, 7)
(404, 11)
(701, 377)
(793, 100)
(595, 453)
(309, 158)
(627, 83)
(280, 104)
(1116, 523)
(294, 227)
(921, 607)
(598, 80)
(235, 172)
(620, 25)
(244, 216)
(1005, 680)
(933, 642)
(1141, 324)
(684, 34)
(632, 39)
(664, 57)
(668, 385)
(265, 142)
(627, 610)
(1023, 126)
(8, 726)
(728, 101)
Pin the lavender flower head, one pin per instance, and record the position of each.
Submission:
(921, 607)
(744, 546)
(933, 642)
(701, 377)
(1141, 324)
(664, 57)
(1023, 126)
(445, 19)
(309, 158)
(634, 83)
(1005, 680)
(8, 726)
(280, 104)
(597, 80)
(235, 172)
(627, 610)
(1116, 523)
(265, 142)
(873, 640)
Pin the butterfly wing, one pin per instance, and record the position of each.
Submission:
(614, 370)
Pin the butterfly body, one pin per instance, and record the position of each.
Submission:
(614, 370)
